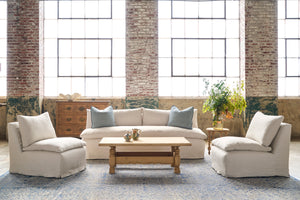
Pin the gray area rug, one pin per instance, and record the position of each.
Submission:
(196, 181)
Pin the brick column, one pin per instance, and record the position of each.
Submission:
(24, 71)
(261, 64)
(142, 53)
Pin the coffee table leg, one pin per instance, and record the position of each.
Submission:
(112, 159)
(177, 160)
(173, 154)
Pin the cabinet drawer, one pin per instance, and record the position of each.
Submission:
(65, 108)
(70, 130)
(71, 119)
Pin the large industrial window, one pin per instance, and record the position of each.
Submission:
(198, 41)
(288, 47)
(84, 47)
(3, 46)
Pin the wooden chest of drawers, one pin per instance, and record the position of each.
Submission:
(71, 116)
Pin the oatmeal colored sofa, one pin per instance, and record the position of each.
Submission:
(152, 122)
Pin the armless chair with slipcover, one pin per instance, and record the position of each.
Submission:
(263, 152)
(35, 150)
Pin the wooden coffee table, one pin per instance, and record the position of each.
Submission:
(172, 157)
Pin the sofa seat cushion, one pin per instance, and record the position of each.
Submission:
(60, 144)
(147, 131)
(230, 143)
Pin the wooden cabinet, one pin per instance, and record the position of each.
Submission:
(71, 116)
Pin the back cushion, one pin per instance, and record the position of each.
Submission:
(263, 128)
(35, 128)
(155, 117)
(128, 117)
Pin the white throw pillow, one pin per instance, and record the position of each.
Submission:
(88, 118)
(155, 117)
(35, 128)
(195, 119)
(231, 143)
(263, 128)
(128, 117)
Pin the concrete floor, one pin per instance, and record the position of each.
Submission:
(294, 158)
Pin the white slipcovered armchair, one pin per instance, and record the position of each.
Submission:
(263, 152)
(35, 150)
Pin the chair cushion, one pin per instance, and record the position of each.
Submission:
(102, 118)
(263, 128)
(128, 117)
(182, 119)
(231, 143)
(35, 128)
(155, 117)
(60, 144)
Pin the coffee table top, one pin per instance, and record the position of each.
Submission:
(145, 141)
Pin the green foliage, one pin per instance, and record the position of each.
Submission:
(223, 101)
(237, 99)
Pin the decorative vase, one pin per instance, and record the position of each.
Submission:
(136, 133)
(127, 137)
(218, 124)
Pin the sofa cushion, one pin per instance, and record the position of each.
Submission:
(59, 144)
(263, 128)
(128, 117)
(133, 117)
(147, 131)
(181, 118)
(195, 118)
(230, 143)
(102, 118)
(35, 128)
(155, 117)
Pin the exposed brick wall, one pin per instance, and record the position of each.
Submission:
(260, 67)
(23, 71)
(24, 66)
(261, 64)
(141, 48)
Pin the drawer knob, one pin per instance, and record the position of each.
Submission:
(68, 108)
(69, 129)
(82, 119)
(81, 108)
(69, 119)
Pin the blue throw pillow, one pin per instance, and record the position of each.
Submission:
(182, 119)
(102, 118)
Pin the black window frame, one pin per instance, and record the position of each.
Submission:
(85, 76)
(172, 17)
(225, 57)
(85, 18)
(286, 11)
(286, 57)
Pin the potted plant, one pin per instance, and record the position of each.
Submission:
(224, 103)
